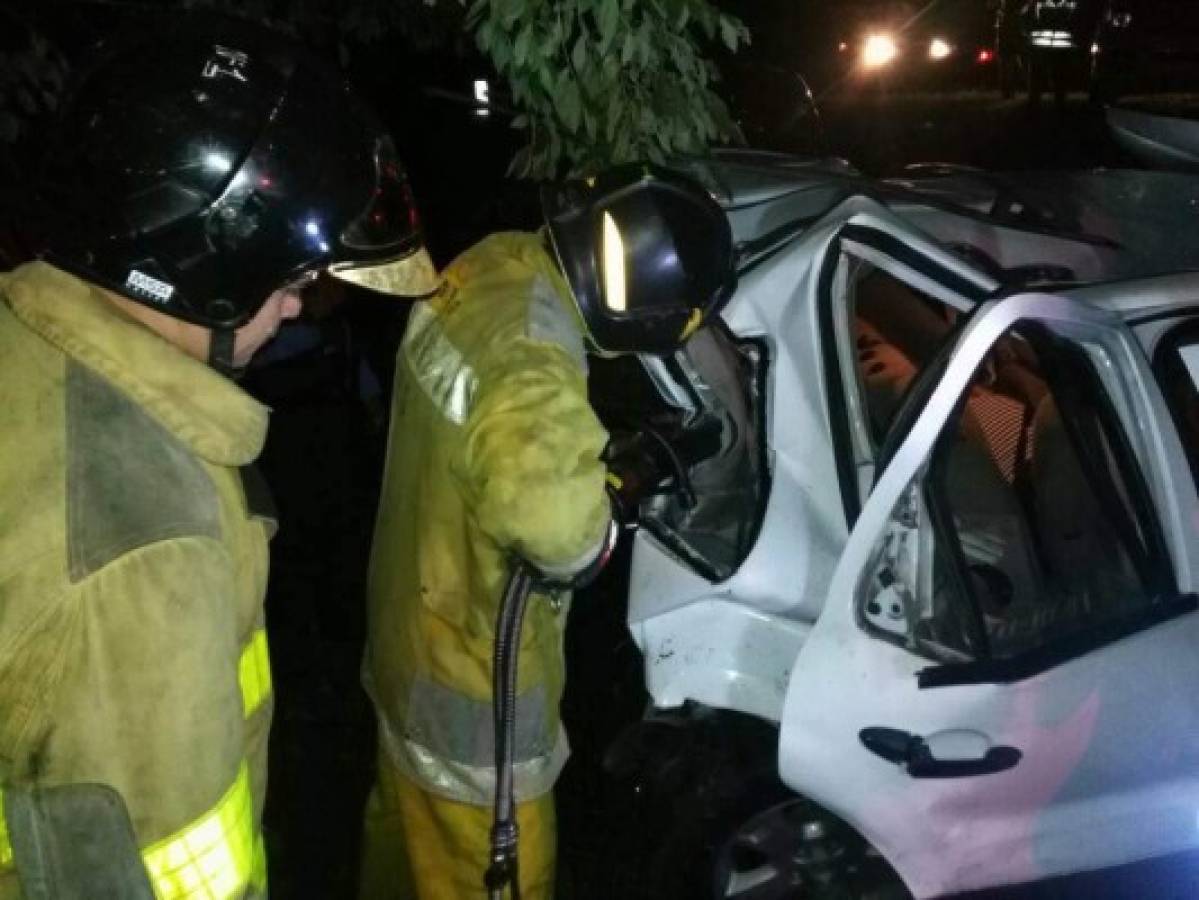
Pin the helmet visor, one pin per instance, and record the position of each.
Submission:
(389, 225)
(382, 248)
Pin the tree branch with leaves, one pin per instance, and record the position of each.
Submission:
(600, 82)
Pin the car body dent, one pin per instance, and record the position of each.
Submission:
(723, 655)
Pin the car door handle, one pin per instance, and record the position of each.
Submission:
(918, 759)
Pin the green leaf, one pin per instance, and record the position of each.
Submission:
(483, 37)
(629, 50)
(609, 18)
(644, 45)
(568, 104)
(730, 32)
(612, 116)
(501, 55)
(578, 56)
(514, 12)
(664, 136)
(520, 51)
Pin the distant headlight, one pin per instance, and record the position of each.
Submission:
(879, 50)
(939, 49)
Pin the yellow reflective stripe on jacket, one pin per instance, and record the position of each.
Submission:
(254, 675)
(258, 870)
(5, 847)
(254, 672)
(213, 858)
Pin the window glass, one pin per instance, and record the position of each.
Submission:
(897, 331)
(1032, 521)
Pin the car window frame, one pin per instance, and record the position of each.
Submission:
(899, 259)
(942, 673)
(1178, 335)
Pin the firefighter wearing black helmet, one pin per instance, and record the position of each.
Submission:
(201, 172)
(495, 452)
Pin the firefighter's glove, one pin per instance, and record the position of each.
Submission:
(639, 465)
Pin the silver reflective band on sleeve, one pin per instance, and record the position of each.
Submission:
(462, 730)
(550, 321)
(447, 744)
(532, 778)
(437, 366)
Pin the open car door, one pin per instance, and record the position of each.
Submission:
(1001, 687)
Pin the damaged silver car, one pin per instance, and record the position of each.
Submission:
(918, 607)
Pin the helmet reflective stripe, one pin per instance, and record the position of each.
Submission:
(642, 249)
(692, 326)
(614, 267)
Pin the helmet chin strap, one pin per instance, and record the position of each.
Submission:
(220, 351)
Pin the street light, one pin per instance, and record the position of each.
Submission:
(939, 49)
(879, 50)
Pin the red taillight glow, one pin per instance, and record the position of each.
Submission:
(985, 56)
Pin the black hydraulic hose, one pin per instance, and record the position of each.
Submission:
(504, 871)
